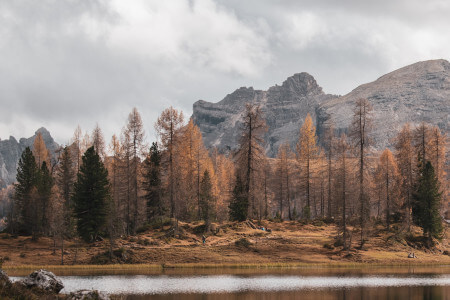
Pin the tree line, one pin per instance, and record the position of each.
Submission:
(95, 191)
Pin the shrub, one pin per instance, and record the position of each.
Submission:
(328, 246)
(243, 242)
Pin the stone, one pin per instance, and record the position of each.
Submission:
(43, 279)
(4, 278)
(88, 295)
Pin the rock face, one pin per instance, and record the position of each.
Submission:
(44, 280)
(416, 93)
(11, 150)
(285, 107)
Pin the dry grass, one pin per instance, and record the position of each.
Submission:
(289, 245)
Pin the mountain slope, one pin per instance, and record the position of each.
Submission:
(415, 93)
(285, 107)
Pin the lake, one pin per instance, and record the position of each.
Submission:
(372, 283)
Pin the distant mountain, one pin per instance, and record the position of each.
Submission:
(11, 150)
(419, 92)
(412, 94)
(285, 107)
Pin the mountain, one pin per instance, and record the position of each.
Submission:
(415, 93)
(285, 107)
(11, 150)
(412, 94)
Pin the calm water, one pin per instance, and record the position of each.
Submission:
(428, 283)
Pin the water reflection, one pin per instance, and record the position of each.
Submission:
(269, 286)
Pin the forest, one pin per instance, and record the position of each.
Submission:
(94, 190)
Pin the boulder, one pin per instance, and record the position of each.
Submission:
(44, 280)
(88, 295)
(4, 278)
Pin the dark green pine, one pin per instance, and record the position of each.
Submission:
(239, 203)
(90, 197)
(427, 200)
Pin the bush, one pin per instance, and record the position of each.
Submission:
(243, 242)
(328, 246)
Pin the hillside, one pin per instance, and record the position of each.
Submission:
(289, 242)
(415, 93)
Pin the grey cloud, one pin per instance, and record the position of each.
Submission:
(80, 62)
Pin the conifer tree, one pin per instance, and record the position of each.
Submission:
(307, 150)
(359, 131)
(168, 127)
(91, 193)
(239, 201)
(44, 190)
(405, 160)
(250, 154)
(26, 182)
(206, 199)
(152, 183)
(427, 198)
(387, 178)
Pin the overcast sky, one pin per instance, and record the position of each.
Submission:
(64, 63)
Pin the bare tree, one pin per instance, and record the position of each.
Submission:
(360, 130)
(168, 127)
(250, 154)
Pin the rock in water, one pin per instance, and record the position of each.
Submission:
(88, 295)
(44, 280)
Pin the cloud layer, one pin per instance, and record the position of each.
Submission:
(66, 62)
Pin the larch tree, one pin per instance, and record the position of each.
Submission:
(284, 176)
(437, 153)
(342, 149)
(405, 157)
(328, 143)
(76, 147)
(360, 130)
(90, 197)
(307, 151)
(388, 178)
(250, 154)
(98, 141)
(134, 145)
(40, 151)
(62, 206)
(168, 127)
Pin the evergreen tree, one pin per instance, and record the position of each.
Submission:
(91, 192)
(44, 190)
(239, 202)
(152, 183)
(26, 181)
(206, 199)
(65, 179)
(427, 198)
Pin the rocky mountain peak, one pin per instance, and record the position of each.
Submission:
(302, 84)
(11, 150)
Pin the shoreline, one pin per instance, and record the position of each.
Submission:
(153, 269)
